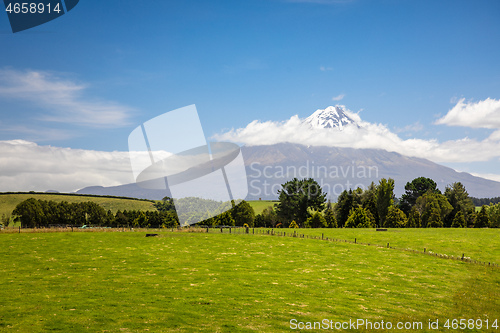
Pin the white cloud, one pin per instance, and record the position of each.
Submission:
(338, 97)
(489, 176)
(325, 69)
(483, 114)
(368, 135)
(62, 98)
(26, 166)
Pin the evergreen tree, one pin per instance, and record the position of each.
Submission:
(345, 204)
(30, 213)
(471, 220)
(6, 220)
(460, 201)
(243, 213)
(425, 202)
(296, 197)
(396, 218)
(121, 219)
(169, 219)
(385, 198)
(269, 216)
(259, 221)
(373, 223)
(331, 221)
(433, 217)
(369, 202)
(225, 219)
(414, 218)
(494, 215)
(317, 221)
(141, 221)
(482, 219)
(167, 204)
(458, 220)
(358, 219)
(414, 189)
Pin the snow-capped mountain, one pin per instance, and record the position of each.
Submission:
(331, 117)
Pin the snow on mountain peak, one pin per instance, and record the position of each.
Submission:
(331, 117)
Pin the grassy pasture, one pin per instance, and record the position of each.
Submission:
(478, 244)
(259, 205)
(189, 282)
(9, 201)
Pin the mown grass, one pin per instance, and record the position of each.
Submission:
(259, 205)
(189, 282)
(9, 201)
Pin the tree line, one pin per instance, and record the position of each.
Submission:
(36, 213)
(33, 213)
(303, 204)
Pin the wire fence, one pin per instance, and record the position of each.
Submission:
(242, 230)
(295, 234)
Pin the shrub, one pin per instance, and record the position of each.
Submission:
(395, 218)
(316, 221)
(458, 220)
(358, 219)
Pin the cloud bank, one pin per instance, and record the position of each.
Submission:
(62, 98)
(26, 166)
(370, 135)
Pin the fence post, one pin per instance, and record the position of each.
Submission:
(247, 230)
(322, 235)
(229, 229)
(207, 229)
(387, 245)
(253, 231)
(424, 249)
(19, 229)
(354, 240)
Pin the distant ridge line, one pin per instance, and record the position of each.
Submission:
(79, 195)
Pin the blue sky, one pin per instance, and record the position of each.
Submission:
(86, 80)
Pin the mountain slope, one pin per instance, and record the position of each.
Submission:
(336, 169)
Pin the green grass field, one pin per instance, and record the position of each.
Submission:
(479, 244)
(9, 201)
(259, 205)
(190, 282)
